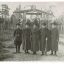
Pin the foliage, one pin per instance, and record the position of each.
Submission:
(1, 20)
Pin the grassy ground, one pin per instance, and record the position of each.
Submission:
(5, 35)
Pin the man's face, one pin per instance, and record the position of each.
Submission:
(42, 26)
(53, 26)
(34, 26)
(26, 26)
(18, 26)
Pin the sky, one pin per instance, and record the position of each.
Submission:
(56, 7)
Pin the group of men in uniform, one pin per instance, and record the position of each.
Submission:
(37, 37)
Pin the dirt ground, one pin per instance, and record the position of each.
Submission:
(30, 57)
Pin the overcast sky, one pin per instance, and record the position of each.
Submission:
(57, 7)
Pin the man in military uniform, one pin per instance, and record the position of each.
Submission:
(18, 37)
(44, 37)
(27, 39)
(54, 38)
(35, 37)
(49, 37)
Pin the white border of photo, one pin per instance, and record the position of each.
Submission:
(32, 62)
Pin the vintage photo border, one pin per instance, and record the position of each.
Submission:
(31, 62)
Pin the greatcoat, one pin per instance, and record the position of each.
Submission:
(49, 40)
(43, 36)
(27, 38)
(54, 39)
(35, 39)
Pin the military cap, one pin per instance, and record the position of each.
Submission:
(43, 23)
(28, 22)
(18, 24)
(36, 22)
(54, 23)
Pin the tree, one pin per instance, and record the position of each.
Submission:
(5, 14)
(5, 9)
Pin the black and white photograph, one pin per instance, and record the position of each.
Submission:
(31, 31)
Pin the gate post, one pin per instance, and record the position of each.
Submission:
(24, 19)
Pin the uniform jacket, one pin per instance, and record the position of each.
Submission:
(18, 36)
